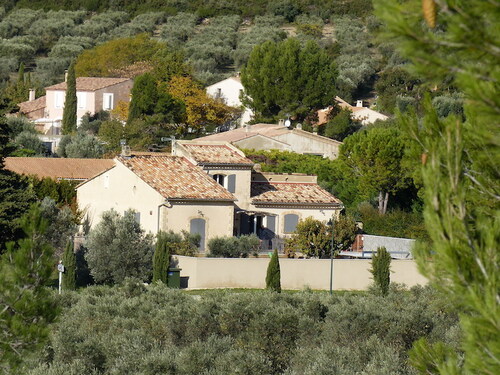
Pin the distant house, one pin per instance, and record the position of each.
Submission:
(209, 188)
(58, 169)
(94, 94)
(278, 137)
(364, 115)
(230, 90)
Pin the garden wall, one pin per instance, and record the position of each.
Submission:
(348, 274)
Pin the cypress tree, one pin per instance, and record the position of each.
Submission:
(381, 264)
(273, 277)
(69, 262)
(69, 113)
(161, 259)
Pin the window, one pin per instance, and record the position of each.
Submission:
(107, 101)
(81, 99)
(137, 217)
(291, 221)
(220, 178)
(197, 226)
(59, 99)
(229, 182)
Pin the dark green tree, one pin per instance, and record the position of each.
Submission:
(161, 258)
(144, 97)
(273, 276)
(69, 262)
(69, 113)
(381, 270)
(287, 78)
(27, 305)
(341, 126)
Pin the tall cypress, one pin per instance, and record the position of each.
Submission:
(381, 269)
(161, 259)
(273, 277)
(69, 114)
(69, 262)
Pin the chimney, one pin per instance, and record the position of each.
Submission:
(66, 75)
(32, 95)
(359, 103)
(298, 126)
(126, 152)
(247, 128)
(281, 122)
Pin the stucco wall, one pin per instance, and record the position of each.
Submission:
(120, 91)
(219, 217)
(259, 142)
(371, 243)
(348, 274)
(303, 143)
(243, 177)
(120, 189)
(230, 93)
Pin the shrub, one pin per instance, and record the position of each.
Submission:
(311, 238)
(233, 247)
(82, 146)
(381, 270)
(273, 276)
(118, 248)
(161, 258)
(29, 144)
(69, 262)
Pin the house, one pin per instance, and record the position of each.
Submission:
(278, 137)
(362, 114)
(94, 94)
(229, 90)
(209, 188)
(58, 169)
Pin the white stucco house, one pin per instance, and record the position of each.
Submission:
(229, 90)
(209, 188)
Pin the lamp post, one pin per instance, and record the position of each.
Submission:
(331, 222)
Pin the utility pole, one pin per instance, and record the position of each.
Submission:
(331, 222)
(60, 268)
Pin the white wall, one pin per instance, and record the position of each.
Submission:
(348, 274)
(303, 142)
(120, 189)
(230, 93)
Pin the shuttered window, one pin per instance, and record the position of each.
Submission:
(231, 183)
(271, 223)
(291, 221)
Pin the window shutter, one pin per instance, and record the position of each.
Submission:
(271, 223)
(197, 226)
(291, 221)
(231, 183)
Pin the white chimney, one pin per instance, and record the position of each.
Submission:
(66, 76)
(281, 122)
(298, 126)
(32, 95)
(359, 103)
(126, 151)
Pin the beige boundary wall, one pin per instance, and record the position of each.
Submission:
(348, 274)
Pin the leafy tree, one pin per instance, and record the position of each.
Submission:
(341, 126)
(344, 232)
(161, 259)
(395, 81)
(273, 276)
(201, 109)
(286, 78)
(233, 247)
(311, 238)
(118, 248)
(183, 243)
(69, 262)
(111, 132)
(288, 9)
(82, 146)
(375, 157)
(69, 113)
(460, 170)
(29, 144)
(381, 270)
(27, 304)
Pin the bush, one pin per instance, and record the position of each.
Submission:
(28, 144)
(233, 247)
(118, 248)
(381, 270)
(83, 146)
(311, 238)
(273, 276)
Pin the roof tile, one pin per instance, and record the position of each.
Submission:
(215, 154)
(33, 105)
(175, 177)
(301, 193)
(89, 83)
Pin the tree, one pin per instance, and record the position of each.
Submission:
(344, 232)
(69, 113)
(273, 276)
(459, 169)
(69, 262)
(311, 238)
(381, 270)
(341, 126)
(83, 146)
(27, 305)
(119, 248)
(285, 78)
(375, 157)
(161, 258)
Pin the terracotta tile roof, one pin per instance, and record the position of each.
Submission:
(89, 83)
(175, 177)
(301, 193)
(270, 130)
(215, 154)
(34, 105)
(59, 168)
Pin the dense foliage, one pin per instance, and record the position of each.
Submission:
(68, 125)
(381, 270)
(161, 258)
(234, 247)
(273, 274)
(222, 332)
(69, 262)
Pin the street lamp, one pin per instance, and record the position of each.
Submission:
(331, 222)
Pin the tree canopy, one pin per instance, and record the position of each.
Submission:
(288, 78)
